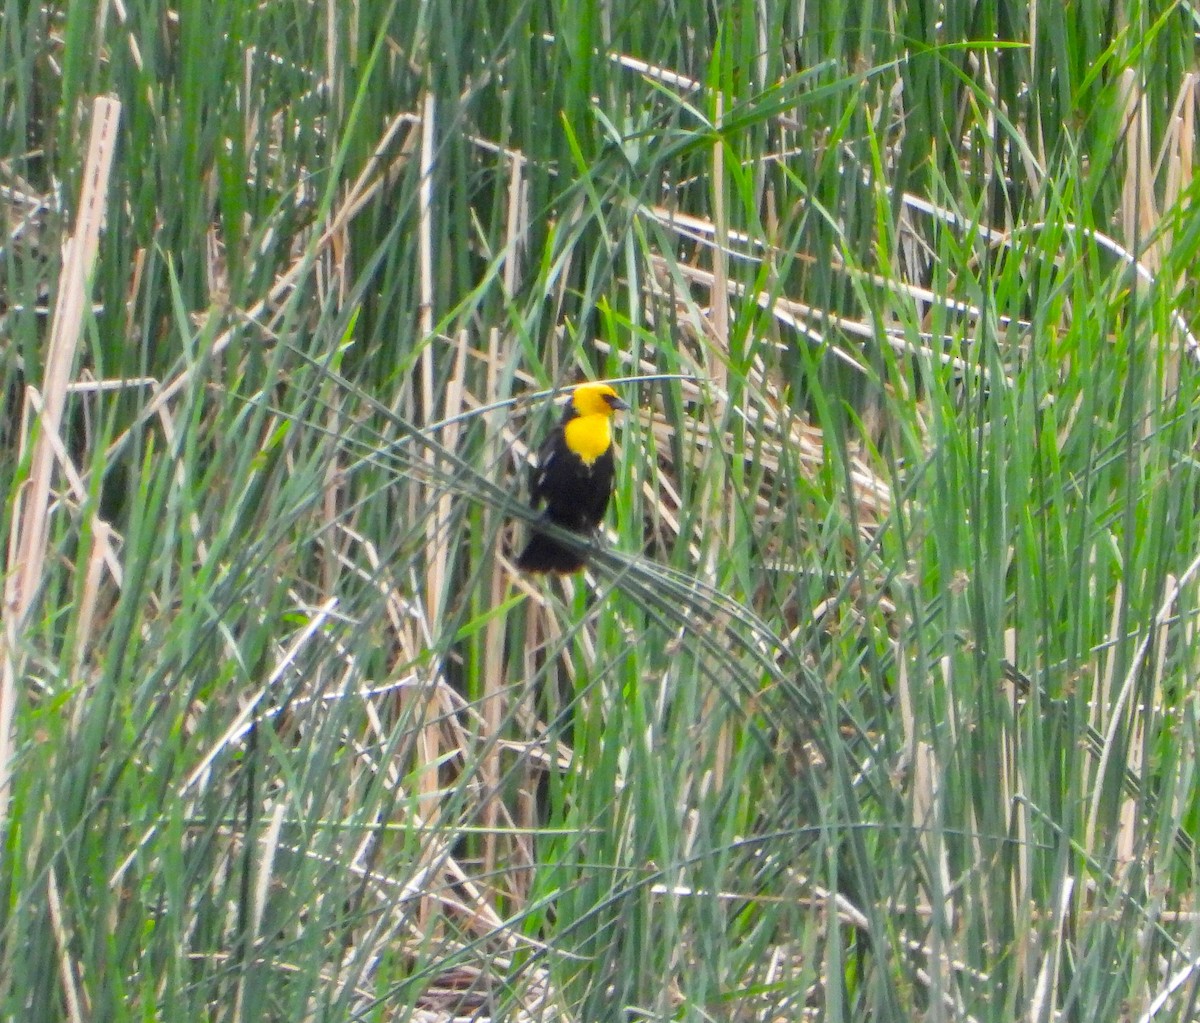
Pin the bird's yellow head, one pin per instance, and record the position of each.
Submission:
(586, 422)
(596, 400)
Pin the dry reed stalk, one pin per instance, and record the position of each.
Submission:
(494, 676)
(718, 373)
(428, 746)
(31, 516)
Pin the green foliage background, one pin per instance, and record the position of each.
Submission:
(877, 701)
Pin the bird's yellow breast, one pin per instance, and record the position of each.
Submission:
(588, 436)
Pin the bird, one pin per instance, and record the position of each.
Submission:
(573, 477)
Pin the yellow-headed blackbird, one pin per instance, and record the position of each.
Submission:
(573, 476)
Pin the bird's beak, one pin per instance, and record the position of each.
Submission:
(618, 405)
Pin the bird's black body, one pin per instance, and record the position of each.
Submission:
(574, 492)
(576, 495)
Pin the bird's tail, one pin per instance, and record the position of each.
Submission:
(545, 554)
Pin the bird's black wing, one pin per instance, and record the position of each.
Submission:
(601, 488)
(554, 444)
